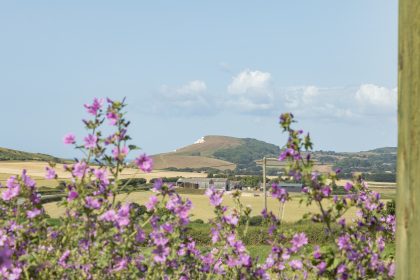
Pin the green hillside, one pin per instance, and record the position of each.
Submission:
(9, 154)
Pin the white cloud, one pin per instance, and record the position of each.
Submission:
(253, 92)
(192, 88)
(191, 98)
(373, 95)
(250, 82)
(250, 91)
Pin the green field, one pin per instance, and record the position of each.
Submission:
(293, 210)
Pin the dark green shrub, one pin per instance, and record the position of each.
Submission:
(256, 221)
(390, 207)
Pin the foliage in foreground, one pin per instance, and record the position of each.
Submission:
(100, 238)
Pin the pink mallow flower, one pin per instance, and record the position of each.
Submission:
(298, 241)
(33, 213)
(79, 169)
(13, 189)
(144, 162)
(90, 141)
(120, 153)
(10, 193)
(95, 107)
(150, 205)
(69, 138)
(112, 118)
(72, 195)
(102, 175)
(50, 173)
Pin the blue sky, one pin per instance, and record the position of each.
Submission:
(194, 68)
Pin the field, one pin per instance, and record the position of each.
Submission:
(37, 170)
(293, 211)
(185, 161)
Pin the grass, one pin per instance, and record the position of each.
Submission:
(293, 210)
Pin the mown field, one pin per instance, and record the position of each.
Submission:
(37, 170)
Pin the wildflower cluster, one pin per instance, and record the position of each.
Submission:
(100, 237)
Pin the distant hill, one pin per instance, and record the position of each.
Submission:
(9, 154)
(217, 152)
(244, 156)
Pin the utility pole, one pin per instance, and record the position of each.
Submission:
(408, 166)
(264, 182)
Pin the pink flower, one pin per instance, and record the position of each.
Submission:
(92, 203)
(102, 175)
(112, 118)
(145, 163)
(69, 138)
(33, 213)
(296, 264)
(50, 173)
(90, 141)
(72, 195)
(79, 169)
(109, 216)
(95, 107)
(348, 186)
(216, 197)
(232, 220)
(10, 193)
(120, 153)
(299, 240)
(153, 200)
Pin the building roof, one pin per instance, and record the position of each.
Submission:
(202, 180)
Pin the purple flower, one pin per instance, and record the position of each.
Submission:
(72, 195)
(160, 254)
(90, 141)
(299, 240)
(348, 186)
(216, 197)
(120, 265)
(12, 191)
(344, 242)
(289, 152)
(317, 253)
(231, 220)
(120, 153)
(33, 213)
(150, 205)
(27, 181)
(79, 169)
(321, 267)
(140, 236)
(145, 163)
(112, 118)
(92, 203)
(279, 193)
(50, 173)
(326, 191)
(5, 257)
(102, 176)
(296, 264)
(96, 105)
(63, 259)
(69, 138)
(123, 218)
(157, 185)
(109, 216)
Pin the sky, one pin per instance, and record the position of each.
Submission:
(195, 68)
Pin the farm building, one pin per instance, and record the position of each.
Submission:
(290, 187)
(203, 183)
